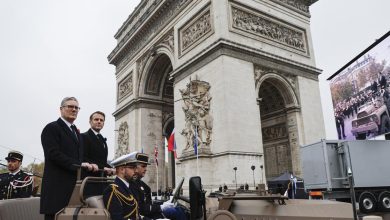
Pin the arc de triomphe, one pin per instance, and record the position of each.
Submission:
(235, 77)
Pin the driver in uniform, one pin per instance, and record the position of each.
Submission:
(118, 198)
(15, 183)
(144, 197)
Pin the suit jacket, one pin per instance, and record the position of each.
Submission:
(144, 197)
(62, 149)
(95, 150)
(21, 179)
(120, 202)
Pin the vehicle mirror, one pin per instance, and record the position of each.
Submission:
(197, 200)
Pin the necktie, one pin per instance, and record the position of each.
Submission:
(74, 129)
(100, 137)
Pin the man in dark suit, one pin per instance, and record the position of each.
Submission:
(15, 183)
(63, 149)
(118, 198)
(95, 152)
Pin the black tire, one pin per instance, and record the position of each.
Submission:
(385, 124)
(222, 215)
(367, 202)
(384, 201)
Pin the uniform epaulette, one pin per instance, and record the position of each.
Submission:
(113, 185)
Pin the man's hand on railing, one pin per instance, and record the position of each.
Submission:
(89, 166)
(95, 167)
(109, 171)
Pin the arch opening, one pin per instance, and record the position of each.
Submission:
(274, 100)
(159, 89)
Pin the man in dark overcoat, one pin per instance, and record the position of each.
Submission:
(95, 152)
(63, 149)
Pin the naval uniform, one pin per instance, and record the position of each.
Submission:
(120, 202)
(18, 185)
(142, 193)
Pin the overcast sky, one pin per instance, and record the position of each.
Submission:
(52, 49)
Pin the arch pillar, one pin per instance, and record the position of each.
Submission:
(293, 124)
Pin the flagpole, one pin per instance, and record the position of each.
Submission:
(197, 153)
(156, 155)
(197, 164)
(157, 179)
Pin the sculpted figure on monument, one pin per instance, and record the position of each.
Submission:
(196, 100)
(123, 140)
(125, 87)
(267, 28)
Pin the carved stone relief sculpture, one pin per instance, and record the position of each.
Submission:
(197, 29)
(274, 132)
(123, 140)
(295, 4)
(125, 87)
(198, 121)
(264, 26)
(168, 41)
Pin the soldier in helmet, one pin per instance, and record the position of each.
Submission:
(118, 198)
(15, 183)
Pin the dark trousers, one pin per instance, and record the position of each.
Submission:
(49, 216)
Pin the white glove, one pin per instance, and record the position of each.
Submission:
(167, 205)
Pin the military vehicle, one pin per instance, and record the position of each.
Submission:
(224, 206)
(372, 118)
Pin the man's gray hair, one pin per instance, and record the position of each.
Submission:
(68, 99)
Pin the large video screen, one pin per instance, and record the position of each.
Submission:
(361, 93)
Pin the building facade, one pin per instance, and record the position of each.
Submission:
(235, 78)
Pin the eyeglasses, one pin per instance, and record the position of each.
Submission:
(72, 107)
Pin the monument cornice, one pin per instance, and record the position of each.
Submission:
(257, 56)
(142, 34)
(135, 19)
(140, 103)
(300, 6)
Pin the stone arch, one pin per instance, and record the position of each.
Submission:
(284, 87)
(148, 66)
(278, 104)
(155, 95)
(167, 126)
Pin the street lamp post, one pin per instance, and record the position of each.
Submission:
(261, 167)
(235, 175)
(253, 172)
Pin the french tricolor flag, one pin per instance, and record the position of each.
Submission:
(172, 143)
